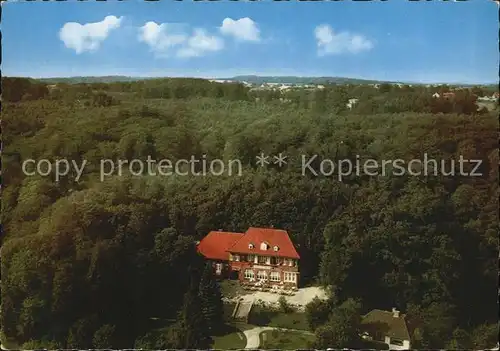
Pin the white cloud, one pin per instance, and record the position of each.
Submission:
(161, 37)
(330, 43)
(199, 43)
(164, 39)
(89, 36)
(242, 29)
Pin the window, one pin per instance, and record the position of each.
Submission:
(290, 277)
(243, 258)
(262, 259)
(249, 274)
(263, 246)
(262, 275)
(218, 268)
(237, 258)
(275, 276)
(250, 246)
(274, 260)
(275, 248)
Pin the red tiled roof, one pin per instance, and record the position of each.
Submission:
(273, 237)
(215, 245)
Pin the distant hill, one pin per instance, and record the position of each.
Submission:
(257, 80)
(252, 79)
(102, 79)
(302, 80)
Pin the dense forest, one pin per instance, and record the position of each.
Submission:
(93, 263)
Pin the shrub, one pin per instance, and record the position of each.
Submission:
(284, 305)
(317, 312)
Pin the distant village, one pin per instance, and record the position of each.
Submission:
(485, 100)
(288, 86)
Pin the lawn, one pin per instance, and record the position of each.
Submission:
(8, 343)
(229, 338)
(285, 340)
(263, 316)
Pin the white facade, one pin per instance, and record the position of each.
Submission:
(351, 103)
(396, 344)
(218, 268)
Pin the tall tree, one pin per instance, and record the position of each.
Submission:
(192, 328)
(211, 299)
(343, 328)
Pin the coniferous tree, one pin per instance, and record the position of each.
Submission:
(211, 299)
(192, 329)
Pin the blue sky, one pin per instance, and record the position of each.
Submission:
(396, 40)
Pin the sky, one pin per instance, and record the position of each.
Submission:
(395, 40)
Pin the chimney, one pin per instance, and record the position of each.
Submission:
(395, 313)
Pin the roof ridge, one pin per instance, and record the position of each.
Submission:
(401, 315)
(224, 231)
(236, 242)
(399, 326)
(268, 228)
(277, 237)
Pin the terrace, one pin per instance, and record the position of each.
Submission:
(272, 287)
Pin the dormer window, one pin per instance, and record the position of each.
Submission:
(275, 248)
(264, 246)
(250, 246)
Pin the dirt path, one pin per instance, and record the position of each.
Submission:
(252, 335)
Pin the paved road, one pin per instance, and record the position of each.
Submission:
(253, 339)
(252, 335)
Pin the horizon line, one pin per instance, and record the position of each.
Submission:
(140, 76)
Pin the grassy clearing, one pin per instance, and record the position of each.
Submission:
(229, 338)
(285, 340)
(264, 316)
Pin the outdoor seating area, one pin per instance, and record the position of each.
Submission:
(273, 287)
